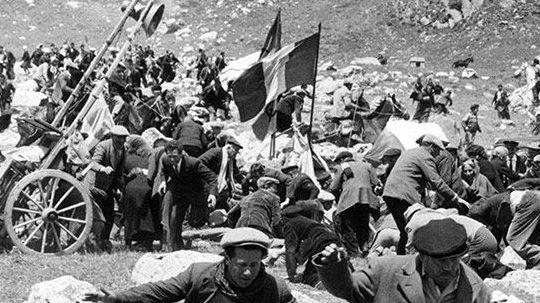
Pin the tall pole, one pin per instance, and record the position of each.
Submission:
(314, 88)
(75, 94)
(96, 91)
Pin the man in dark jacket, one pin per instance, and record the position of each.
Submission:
(508, 176)
(106, 181)
(406, 185)
(486, 168)
(184, 179)
(191, 135)
(302, 187)
(304, 237)
(256, 171)
(353, 184)
(261, 209)
(222, 161)
(495, 213)
(239, 278)
(436, 274)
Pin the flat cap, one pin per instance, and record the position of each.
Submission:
(245, 236)
(500, 151)
(231, 140)
(264, 181)
(119, 130)
(429, 138)
(443, 238)
(289, 167)
(326, 196)
(392, 152)
(343, 155)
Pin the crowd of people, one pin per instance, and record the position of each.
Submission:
(437, 206)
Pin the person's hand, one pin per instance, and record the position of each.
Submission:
(212, 201)
(162, 188)
(333, 254)
(107, 170)
(106, 297)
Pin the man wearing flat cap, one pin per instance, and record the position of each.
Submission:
(107, 178)
(406, 184)
(436, 274)
(301, 188)
(239, 278)
(261, 209)
(222, 161)
(258, 170)
(353, 183)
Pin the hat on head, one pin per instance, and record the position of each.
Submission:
(392, 152)
(343, 155)
(119, 130)
(245, 236)
(475, 106)
(264, 181)
(289, 167)
(326, 196)
(323, 176)
(441, 238)
(232, 141)
(429, 138)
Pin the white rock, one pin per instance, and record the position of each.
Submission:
(469, 86)
(442, 75)
(74, 4)
(365, 61)
(455, 15)
(520, 283)
(485, 78)
(209, 37)
(64, 289)
(345, 72)
(301, 298)
(469, 73)
(157, 267)
(328, 65)
(327, 85)
(425, 21)
(512, 259)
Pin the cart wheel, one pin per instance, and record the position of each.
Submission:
(48, 212)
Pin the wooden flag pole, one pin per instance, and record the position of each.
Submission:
(313, 94)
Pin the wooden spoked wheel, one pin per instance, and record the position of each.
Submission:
(48, 212)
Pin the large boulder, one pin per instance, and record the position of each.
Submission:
(156, 267)
(520, 283)
(209, 37)
(64, 289)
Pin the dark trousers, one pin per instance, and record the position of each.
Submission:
(524, 231)
(397, 208)
(353, 227)
(105, 201)
(175, 207)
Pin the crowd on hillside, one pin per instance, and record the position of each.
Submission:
(437, 207)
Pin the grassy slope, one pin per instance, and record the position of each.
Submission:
(351, 28)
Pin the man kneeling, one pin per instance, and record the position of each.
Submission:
(240, 277)
(434, 275)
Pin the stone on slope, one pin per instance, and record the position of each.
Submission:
(520, 283)
(512, 259)
(65, 289)
(156, 267)
(469, 73)
(365, 61)
(209, 37)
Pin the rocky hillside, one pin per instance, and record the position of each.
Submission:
(495, 31)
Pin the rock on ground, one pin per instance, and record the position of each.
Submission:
(156, 267)
(64, 289)
(512, 259)
(365, 61)
(523, 284)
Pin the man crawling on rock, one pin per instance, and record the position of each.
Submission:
(240, 277)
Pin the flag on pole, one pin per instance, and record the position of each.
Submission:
(273, 38)
(291, 66)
